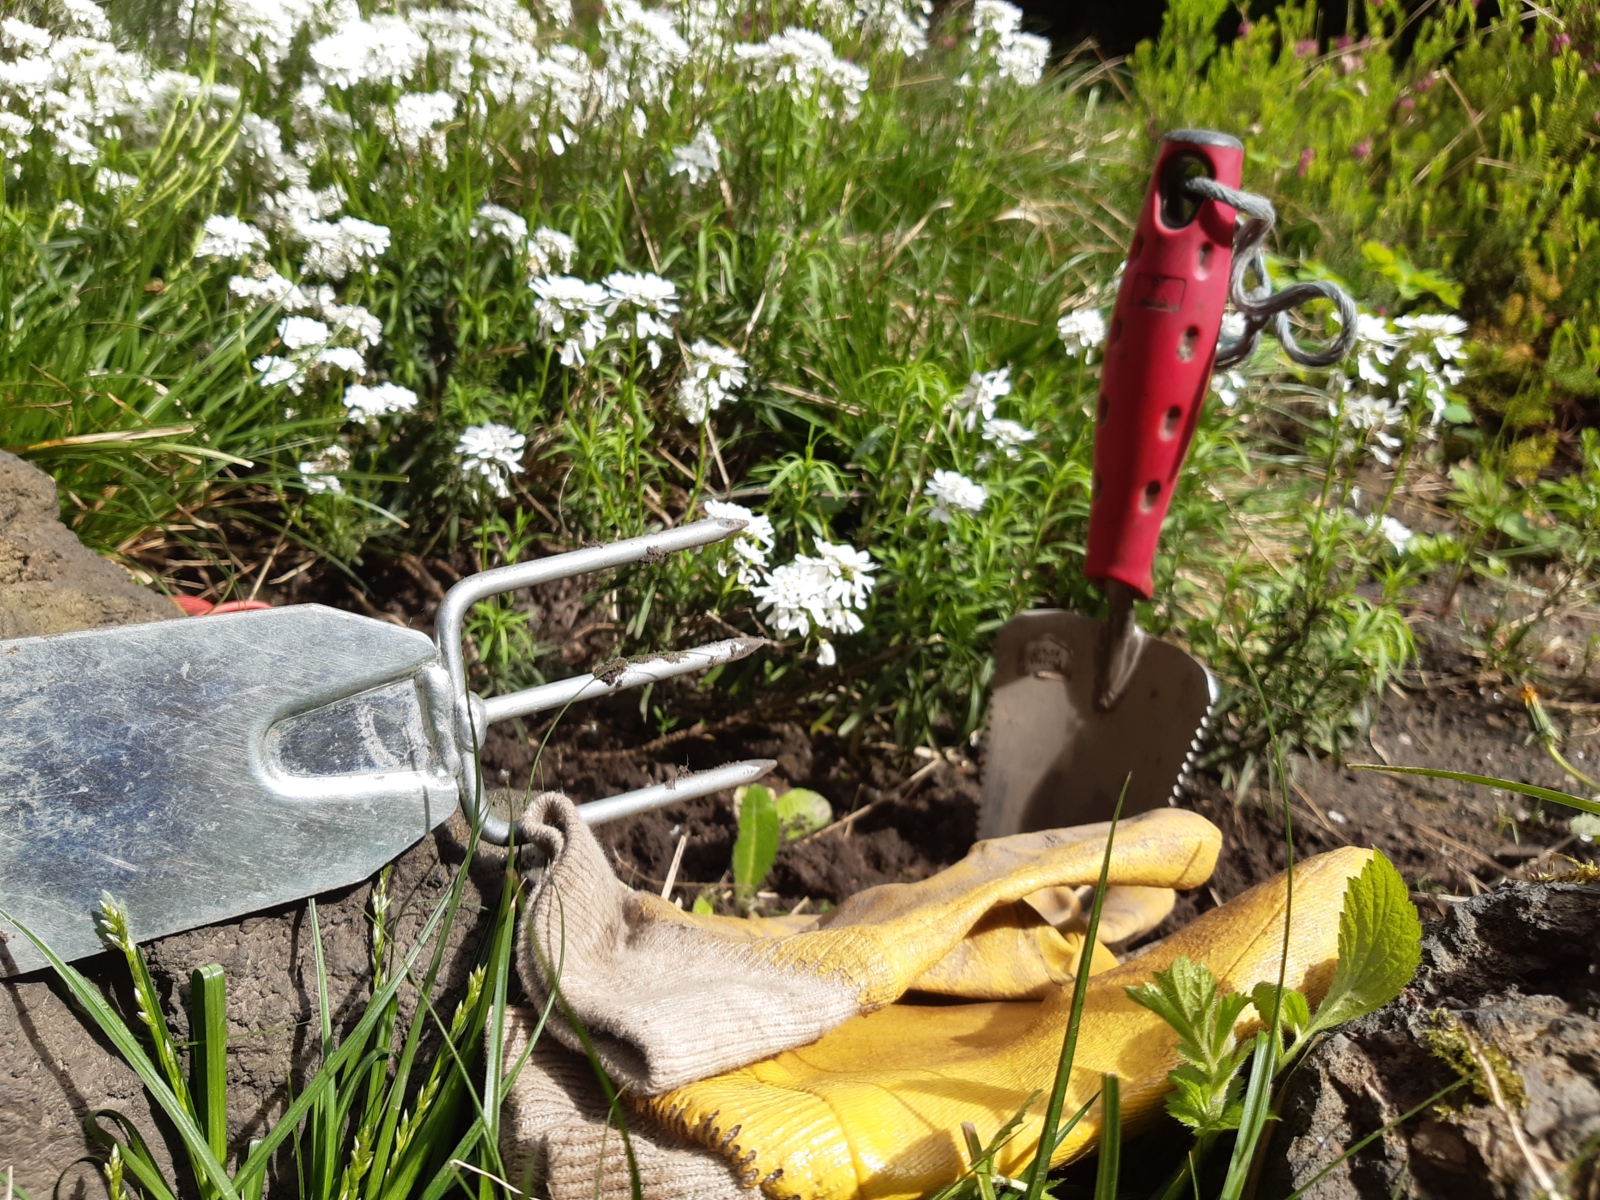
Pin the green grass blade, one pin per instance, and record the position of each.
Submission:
(1039, 1172)
(208, 1065)
(1105, 1176)
(127, 1045)
(324, 1115)
(1532, 791)
(136, 1156)
(252, 1171)
(1253, 1121)
(252, 1190)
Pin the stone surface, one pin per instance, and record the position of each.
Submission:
(49, 583)
(1518, 970)
(54, 1069)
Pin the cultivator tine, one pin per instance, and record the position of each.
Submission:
(473, 716)
(620, 677)
(689, 787)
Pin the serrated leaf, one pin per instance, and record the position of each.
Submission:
(1380, 945)
(757, 846)
(1206, 1089)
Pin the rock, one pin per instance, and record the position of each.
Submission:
(49, 583)
(1510, 978)
(54, 1068)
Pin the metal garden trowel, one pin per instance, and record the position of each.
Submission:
(1081, 705)
(206, 768)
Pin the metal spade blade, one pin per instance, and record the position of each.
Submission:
(1054, 758)
(207, 768)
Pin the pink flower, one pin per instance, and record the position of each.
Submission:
(1305, 48)
(1307, 156)
(1245, 27)
(1406, 103)
(1362, 150)
(1560, 42)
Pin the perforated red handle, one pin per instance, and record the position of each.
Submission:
(1159, 353)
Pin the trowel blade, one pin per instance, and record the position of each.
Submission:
(203, 769)
(1052, 759)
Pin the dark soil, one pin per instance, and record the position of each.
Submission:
(917, 813)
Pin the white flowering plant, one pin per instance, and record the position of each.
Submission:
(382, 277)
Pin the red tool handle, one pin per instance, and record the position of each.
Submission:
(1159, 353)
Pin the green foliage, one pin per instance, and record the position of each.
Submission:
(1379, 949)
(1206, 1088)
(1422, 157)
(1380, 945)
(361, 1125)
(756, 847)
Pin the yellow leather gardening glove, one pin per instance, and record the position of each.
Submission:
(668, 998)
(855, 1095)
(872, 1110)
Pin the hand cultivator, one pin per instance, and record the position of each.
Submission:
(1082, 706)
(204, 769)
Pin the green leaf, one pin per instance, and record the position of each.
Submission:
(703, 906)
(1380, 945)
(757, 844)
(802, 811)
(1294, 1013)
(1206, 1089)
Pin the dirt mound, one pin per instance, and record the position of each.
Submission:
(1510, 983)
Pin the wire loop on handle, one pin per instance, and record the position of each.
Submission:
(1259, 304)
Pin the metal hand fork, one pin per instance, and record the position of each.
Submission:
(206, 768)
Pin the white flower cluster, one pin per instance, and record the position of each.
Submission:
(542, 252)
(953, 492)
(384, 50)
(321, 474)
(414, 123)
(643, 50)
(978, 403)
(572, 310)
(1398, 363)
(980, 399)
(1008, 436)
(826, 591)
(333, 337)
(576, 312)
(261, 31)
(368, 403)
(493, 453)
(494, 221)
(1081, 332)
(712, 375)
(700, 159)
(1229, 386)
(67, 88)
(750, 548)
(803, 61)
(997, 31)
(230, 238)
(899, 27)
(650, 299)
